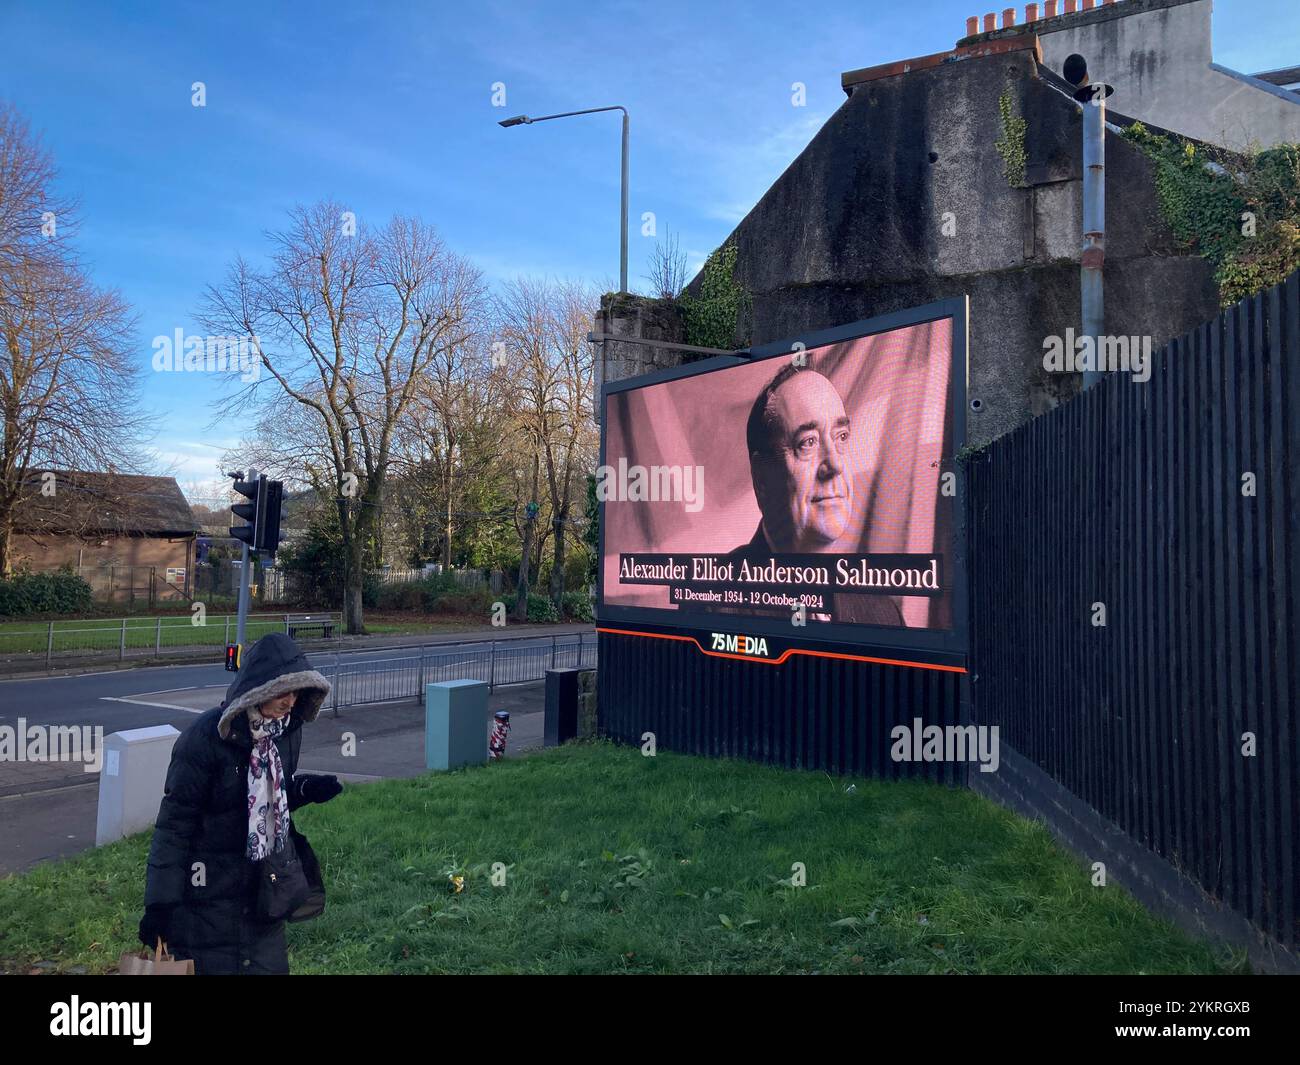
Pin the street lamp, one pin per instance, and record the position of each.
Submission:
(1092, 257)
(524, 120)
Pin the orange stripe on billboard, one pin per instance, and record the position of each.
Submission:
(785, 654)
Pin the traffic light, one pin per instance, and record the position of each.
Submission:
(270, 539)
(262, 512)
(232, 657)
(253, 512)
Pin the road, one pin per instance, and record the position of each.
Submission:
(132, 698)
(47, 809)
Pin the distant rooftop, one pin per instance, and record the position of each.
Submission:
(86, 503)
(1157, 56)
(1053, 15)
(1286, 78)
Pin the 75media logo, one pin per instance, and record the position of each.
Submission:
(740, 645)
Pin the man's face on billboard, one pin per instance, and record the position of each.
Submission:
(804, 483)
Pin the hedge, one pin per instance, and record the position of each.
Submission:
(44, 593)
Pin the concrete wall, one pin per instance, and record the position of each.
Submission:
(900, 199)
(1158, 56)
(855, 228)
(640, 317)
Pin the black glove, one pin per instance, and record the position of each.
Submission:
(316, 787)
(154, 925)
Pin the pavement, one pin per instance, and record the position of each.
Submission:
(48, 809)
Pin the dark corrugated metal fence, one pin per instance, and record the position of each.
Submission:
(1131, 496)
(807, 713)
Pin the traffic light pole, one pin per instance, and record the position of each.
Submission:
(244, 577)
(243, 596)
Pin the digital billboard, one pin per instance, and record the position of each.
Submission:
(808, 490)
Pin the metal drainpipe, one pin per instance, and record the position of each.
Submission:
(1093, 255)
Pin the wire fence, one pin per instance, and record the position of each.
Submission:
(403, 674)
(469, 579)
(136, 584)
(131, 637)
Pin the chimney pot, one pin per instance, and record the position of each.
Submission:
(1008, 17)
(1071, 6)
(1107, 1)
(1031, 12)
(972, 26)
(1049, 8)
(1088, 5)
(990, 22)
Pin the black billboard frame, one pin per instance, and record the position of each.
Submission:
(925, 645)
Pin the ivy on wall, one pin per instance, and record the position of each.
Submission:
(713, 317)
(1241, 212)
(1011, 145)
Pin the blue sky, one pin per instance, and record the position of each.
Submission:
(387, 107)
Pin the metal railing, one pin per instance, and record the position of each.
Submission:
(141, 636)
(402, 673)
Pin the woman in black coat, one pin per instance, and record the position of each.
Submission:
(231, 786)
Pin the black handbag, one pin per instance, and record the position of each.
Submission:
(289, 884)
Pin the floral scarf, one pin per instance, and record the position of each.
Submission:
(268, 802)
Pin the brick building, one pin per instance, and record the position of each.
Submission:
(132, 537)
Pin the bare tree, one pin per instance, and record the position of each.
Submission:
(667, 275)
(544, 326)
(451, 443)
(68, 382)
(347, 321)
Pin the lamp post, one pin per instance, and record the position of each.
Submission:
(524, 120)
(1092, 254)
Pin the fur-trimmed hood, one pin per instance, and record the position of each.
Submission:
(273, 666)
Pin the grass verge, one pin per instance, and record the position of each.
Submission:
(616, 863)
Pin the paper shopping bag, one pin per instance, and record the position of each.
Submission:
(159, 963)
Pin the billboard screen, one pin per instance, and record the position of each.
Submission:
(811, 485)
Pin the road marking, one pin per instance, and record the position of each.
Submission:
(142, 702)
(378, 662)
(190, 688)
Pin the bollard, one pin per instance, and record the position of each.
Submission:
(131, 781)
(561, 722)
(455, 723)
(500, 730)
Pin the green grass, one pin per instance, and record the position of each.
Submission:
(393, 624)
(105, 634)
(618, 863)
